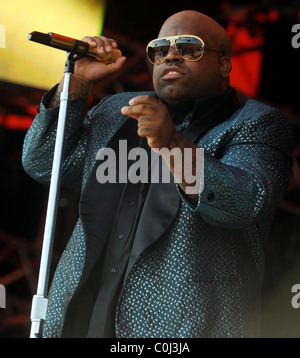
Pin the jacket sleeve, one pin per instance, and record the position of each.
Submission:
(39, 143)
(248, 179)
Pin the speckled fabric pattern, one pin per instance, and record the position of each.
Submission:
(201, 278)
(194, 294)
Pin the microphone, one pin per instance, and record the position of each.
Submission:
(66, 43)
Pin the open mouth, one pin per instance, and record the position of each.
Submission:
(171, 73)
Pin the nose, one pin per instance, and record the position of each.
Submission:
(173, 55)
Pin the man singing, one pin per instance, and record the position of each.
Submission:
(157, 259)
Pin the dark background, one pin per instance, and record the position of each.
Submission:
(23, 201)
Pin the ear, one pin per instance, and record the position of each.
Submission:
(225, 66)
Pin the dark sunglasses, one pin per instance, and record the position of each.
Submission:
(189, 47)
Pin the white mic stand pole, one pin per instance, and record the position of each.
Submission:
(40, 301)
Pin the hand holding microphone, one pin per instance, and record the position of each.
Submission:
(95, 70)
(102, 58)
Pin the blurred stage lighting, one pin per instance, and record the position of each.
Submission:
(30, 64)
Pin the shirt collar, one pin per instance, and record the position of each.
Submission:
(203, 110)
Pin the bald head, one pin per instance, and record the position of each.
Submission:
(195, 23)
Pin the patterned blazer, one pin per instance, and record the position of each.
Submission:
(195, 270)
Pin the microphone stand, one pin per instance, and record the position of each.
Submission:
(40, 301)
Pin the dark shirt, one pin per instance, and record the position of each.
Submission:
(115, 261)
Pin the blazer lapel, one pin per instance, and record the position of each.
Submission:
(99, 202)
(159, 211)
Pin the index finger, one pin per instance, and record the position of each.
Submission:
(143, 99)
(136, 110)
